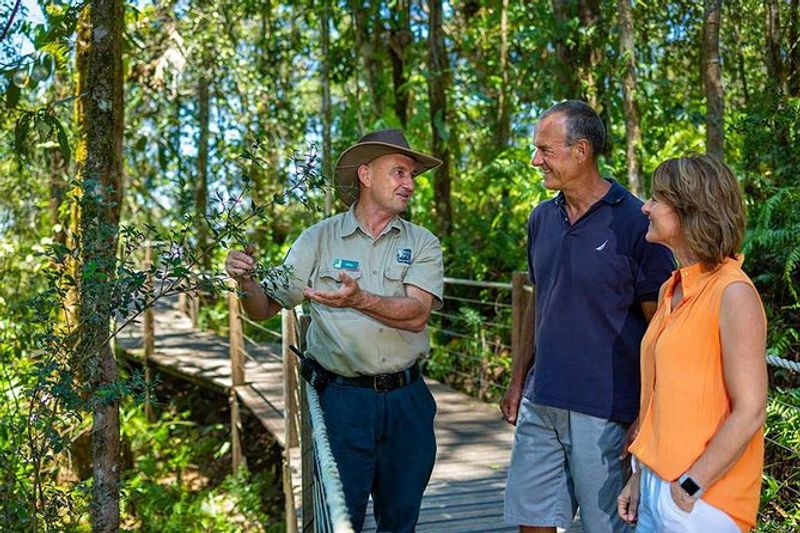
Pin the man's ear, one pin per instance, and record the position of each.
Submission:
(583, 150)
(364, 175)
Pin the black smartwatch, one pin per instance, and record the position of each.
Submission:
(690, 486)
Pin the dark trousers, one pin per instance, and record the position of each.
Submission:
(384, 445)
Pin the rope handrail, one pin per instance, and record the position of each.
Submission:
(330, 509)
(485, 284)
(774, 360)
(260, 327)
(479, 284)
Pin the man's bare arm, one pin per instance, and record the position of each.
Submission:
(520, 365)
(255, 301)
(409, 312)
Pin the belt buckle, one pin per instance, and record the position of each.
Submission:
(383, 383)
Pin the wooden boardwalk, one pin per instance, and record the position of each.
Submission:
(466, 489)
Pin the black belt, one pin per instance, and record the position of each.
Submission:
(381, 382)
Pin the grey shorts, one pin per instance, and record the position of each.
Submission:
(562, 460)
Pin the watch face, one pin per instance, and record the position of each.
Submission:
(690, 486)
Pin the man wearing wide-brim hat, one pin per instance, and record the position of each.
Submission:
(371, 280)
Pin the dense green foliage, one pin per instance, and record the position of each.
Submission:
(224, 145)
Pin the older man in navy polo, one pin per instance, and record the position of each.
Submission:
(575, 390)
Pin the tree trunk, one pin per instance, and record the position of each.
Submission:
(327, 119)
(400, 38)
(367, 49)
(712, 79)
(437, 94)
(773, 49)
(261, 174)
(741, 71)
(633, 133)
(567, 85)
(502, 130)
(591, 52)
(201, 184)
(100, 174)
(57, 191)
(794, 49)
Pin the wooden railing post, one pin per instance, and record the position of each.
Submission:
(236, 342)
(306, 447)
(149, 330)
(518, 302)
(289, 337)
(194, 307)
(307, 461)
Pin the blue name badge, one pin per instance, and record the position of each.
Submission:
(345, 264)
(403, 255)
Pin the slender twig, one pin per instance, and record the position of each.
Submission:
(10, 19)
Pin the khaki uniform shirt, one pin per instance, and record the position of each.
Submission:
(346, 341)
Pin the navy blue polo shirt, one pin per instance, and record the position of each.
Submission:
(590, 279)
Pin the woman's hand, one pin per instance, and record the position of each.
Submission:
(681, 498)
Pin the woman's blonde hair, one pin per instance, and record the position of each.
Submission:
(705, 195)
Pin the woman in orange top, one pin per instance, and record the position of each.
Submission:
(700, 444)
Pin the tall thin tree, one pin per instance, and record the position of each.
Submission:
(327, 170)
(633, 132)
(201, 182)
(365, 37)
(793, 77)
(437, 94)
(400, 39)
(591, 52)
(100, 174)
(712, 79)
(502, 131)
(567, 85)
(773, 57)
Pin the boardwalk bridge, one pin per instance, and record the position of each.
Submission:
(465, 492)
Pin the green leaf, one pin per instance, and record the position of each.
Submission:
(43, 127)
(12, 95)
(61, 133)
(21, 134)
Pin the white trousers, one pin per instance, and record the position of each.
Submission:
(658, 512)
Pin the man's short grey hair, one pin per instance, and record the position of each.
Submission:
(582, 122)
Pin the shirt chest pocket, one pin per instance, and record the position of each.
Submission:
(393, 279)
(328, 280)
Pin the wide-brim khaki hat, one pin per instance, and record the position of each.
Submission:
(368, 148)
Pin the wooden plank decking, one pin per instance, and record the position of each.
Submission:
(466, 489)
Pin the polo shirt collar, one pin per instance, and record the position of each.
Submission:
(614, 195)
(350, 223)
(694, 277)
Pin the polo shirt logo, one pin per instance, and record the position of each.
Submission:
(403, 255)
(602, 246)
(345, 264)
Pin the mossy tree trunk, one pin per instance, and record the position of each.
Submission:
(633, 132)
(712, 79)
(100, 172)
(438, 72)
